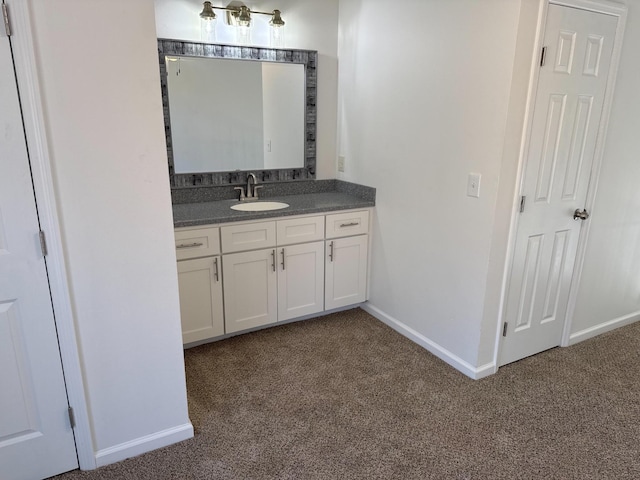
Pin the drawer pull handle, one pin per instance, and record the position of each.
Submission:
(216, 273)
(352, 224)
(273, 260)
(190, 245)
(331, 251)
(283, 260)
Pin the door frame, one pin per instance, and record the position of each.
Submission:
(606, 7)
(23, 48)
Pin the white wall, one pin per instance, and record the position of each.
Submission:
(101, 91)
(310, 25)
(609, 292)
(424, 102)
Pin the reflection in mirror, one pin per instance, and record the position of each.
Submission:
(232, 110)
(234, 114)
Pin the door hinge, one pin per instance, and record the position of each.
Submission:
(523, 201)
(504, 329)
(43, 244)
(543, 56)
(5, 18)
(72, 418)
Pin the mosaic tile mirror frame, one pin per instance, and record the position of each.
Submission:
(307, 58)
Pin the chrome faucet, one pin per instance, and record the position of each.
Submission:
(251, 194)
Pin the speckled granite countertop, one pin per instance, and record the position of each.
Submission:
(203, 213)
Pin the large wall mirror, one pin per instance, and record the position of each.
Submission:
(232, 110)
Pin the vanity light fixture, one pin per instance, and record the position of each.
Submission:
(239, 16)
(207, 23)
(277, 30)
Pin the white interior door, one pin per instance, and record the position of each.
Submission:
(36, 440)
(566, 118)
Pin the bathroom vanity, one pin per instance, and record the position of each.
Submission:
(239, 271)
(227, 126)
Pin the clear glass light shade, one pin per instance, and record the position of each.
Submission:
(208, 30)
(243, 34)
(276, 36)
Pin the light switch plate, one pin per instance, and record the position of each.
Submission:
(473, 185)
(341, 163)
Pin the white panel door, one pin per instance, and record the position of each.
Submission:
(300, 280)
(200, 286)
(568, 110)
(346, 271)
(250, 289)
(36, 440)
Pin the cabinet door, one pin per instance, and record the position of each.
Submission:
(346, 271)
(250, 289)
(200, 285)
(300, 280)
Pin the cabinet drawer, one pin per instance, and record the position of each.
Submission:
(252, 236)
(347, 224)
(197, 242)
(300, 230)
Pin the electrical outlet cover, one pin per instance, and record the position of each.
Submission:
(473, 185)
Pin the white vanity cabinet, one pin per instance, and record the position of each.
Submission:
(250, 289)
(300, 280)
(346, 271)
(274, 284)
(200, 283)
(301, 266)
(346, 259)
(274, 270)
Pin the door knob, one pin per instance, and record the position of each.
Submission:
(580, 214)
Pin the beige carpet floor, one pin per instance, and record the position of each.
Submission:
(345, 397)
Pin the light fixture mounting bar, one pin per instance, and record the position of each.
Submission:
(232, 12)
(237, 10)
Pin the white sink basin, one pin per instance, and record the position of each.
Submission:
(259, 206)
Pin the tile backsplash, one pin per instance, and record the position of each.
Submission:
(199, 194)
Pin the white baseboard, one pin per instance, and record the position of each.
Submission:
(442, 353)
(144, 444)
(603, 328)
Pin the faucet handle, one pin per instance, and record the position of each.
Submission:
(242, 197)
(255, 190)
